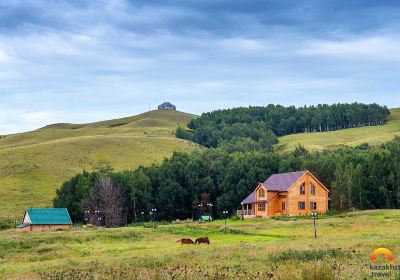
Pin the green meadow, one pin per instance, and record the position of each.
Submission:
(34, 164)
(373, 135)
(250, 249)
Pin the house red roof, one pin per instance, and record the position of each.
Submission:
(282, 182)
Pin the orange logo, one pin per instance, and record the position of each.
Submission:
(381, 251)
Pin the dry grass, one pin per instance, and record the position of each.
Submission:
(34, 164)
(254, 249)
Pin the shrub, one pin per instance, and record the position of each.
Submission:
(234, 218)
(318, 271)
(308, 255)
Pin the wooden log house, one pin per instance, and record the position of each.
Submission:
(287, 194)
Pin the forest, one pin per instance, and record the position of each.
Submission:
(180, 187)
(257, 128)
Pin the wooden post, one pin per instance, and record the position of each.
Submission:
(314, 216)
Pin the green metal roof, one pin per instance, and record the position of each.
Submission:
(49, 216)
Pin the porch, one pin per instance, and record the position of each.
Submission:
(248, 211)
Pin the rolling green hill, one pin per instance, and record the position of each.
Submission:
(34, 164)
(373, 135)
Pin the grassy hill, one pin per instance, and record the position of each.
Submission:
(373, 135)
(34, 164)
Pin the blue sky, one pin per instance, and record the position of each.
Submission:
(82, 61)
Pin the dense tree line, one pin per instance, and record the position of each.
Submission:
(362, 178)
(258, 126)
(236, 137)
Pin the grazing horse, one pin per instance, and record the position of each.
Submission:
(203, 240)
(185, 241)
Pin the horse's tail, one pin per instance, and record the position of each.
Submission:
(197, 241)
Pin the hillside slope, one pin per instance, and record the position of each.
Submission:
(34, 164)
(373, 135)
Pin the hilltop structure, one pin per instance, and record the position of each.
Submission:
(167, 106)
(287, 194)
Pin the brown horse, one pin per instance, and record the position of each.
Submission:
(185, 241)
(202, 240)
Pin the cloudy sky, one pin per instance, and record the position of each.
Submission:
(81, 61)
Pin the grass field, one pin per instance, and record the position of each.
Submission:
(373, 135)
(34, 164)
(250, 249)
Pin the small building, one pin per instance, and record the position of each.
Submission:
(45, 219)
(167, 106)
(287, 194)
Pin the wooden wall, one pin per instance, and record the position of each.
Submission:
(273, 204)
(44, 227)
(294, 196)
(261, 199)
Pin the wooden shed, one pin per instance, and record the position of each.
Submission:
(45, 219)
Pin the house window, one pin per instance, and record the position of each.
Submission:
(312, 189)
(261, 192)
(283, 206)
(303, 188)
(261, 206)
(313, 206)
(301, 205)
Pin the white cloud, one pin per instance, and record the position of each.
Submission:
(370, 48)
(243, 44)
(3, 56)
(72, 62)
(17, 120)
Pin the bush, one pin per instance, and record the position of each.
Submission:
(4, 226)
(319, 271)
(235, 218)
(314, 271)
(309, 255)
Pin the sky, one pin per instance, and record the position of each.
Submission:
(82, 61)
